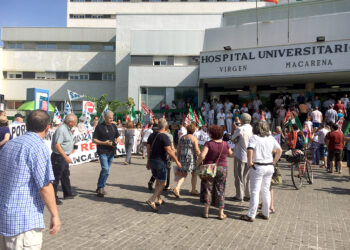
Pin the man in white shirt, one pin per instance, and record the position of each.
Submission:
(331, 115)
(316, 117)
(18, 119)
(211, 115)
(219, 106)
(257, 103)
(241, 138)
(182, 131)
(321, 134)
(345, 100)
(221, 118)
(228, 106)
(279, 101)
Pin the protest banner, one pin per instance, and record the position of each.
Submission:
(86, 150)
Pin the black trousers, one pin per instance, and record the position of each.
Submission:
(61, 171)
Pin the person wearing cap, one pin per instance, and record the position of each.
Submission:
(5, 134)
(241, 137)
(18, 119)
(331, 115)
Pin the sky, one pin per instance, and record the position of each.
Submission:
(31, 13)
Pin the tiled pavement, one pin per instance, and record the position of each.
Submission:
(315, 217)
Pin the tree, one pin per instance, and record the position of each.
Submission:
(130, 102)
(102, 101)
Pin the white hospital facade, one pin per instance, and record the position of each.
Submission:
(165, 51)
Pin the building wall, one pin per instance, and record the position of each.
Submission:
(1, 76)
(274, 33)
(16, 89)
(127, 23)
(56, 61)
(146, 8)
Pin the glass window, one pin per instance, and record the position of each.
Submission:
(50, 75)
(15, 45)
(15, 75)
(80, 47)
(46, 46)
(108, 47)
(41, 46)
(108, 76)
(160, 60)
(51, 46)
(40, 75)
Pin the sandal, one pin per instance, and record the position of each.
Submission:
(205, 216)
(329, 172)
(160, 202)
(260, 215)
(246, 218)
(272, 211)
(152, 205)
(222, 216)
(176, 193)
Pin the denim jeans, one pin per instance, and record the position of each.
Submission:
(106, 162)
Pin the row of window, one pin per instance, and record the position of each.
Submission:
(91, 16)
(96, 76)
(161, 0)
(53, 46)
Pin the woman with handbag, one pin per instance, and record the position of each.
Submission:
(213, 172)
(261, 161)
(187, 152)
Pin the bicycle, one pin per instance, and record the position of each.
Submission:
(301, 168)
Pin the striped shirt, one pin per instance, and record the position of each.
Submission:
(25, 168)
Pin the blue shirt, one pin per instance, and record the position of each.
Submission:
(25, 168)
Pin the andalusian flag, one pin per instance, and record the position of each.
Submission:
(296, 121)
(192, 117)
(201, 122)
(133, 114)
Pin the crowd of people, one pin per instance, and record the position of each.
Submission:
(250, 134)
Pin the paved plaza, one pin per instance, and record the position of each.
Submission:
(316, 217)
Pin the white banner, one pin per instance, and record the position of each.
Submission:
(87, 150)
(280, 60)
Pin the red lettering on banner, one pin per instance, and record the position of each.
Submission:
(84, 146)
(92, 146)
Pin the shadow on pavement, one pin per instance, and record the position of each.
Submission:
(134, 188)
(335, 190)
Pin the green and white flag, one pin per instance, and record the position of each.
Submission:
(201, 122)
(296, 121)
(133, 114)
(192, 118)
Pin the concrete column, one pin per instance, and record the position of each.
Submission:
(309, 86)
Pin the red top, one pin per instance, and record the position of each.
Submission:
(336, 140)
(292, 139)
(214, 149)
(339, 106)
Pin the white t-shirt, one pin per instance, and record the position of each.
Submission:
(182, 132)
(221, 119)
(244, 110)
(146, 133)
(196, 133)
(256, 117)
(211, 114)
(345, 101)
(322, 135)
(263, 147)
(207, 106)
(228, 106)
(257, 103)
(219, 106)
(309, 125)
(316, 116)
(229, 116)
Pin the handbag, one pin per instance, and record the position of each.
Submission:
(276, 177)
(208, 171)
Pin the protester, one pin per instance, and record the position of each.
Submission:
(316, 117)
(62, 146)
(5, 133)
(340, 106)
(228, 106)
(303, 112)
(322, 132)
(347, 140)
(146, 132)
(335, 142)
(281, 114)
(256, 116)
(129, 141)
(260, 158)
(26, 187)
(119, 124)
(158, 145)
(331, 115)
(215, 151)
(2, 113)
(211, 115)
(241, 137)
(229, 117)
(315, 147)
(18, 118)
(293, 137)
(106, 136)
(182, 130)
(187, 152)
(278, 135)
(221, 118)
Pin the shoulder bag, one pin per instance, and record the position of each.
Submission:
(208, 171)
(276, 177)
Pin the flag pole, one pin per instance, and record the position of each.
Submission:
(288, 22)
(257, 26)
